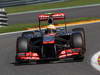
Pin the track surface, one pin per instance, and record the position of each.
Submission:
(8, 43)
(71, 13)
(7, 53)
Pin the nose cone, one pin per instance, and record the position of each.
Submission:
(49, 39)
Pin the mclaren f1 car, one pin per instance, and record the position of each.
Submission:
(52, 43)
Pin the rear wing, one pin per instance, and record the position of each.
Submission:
(55, 16)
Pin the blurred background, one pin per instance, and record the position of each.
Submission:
(7, 3)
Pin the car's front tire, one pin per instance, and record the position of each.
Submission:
(22, 46)
(82, 31)
(78, 42)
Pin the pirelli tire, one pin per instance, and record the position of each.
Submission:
(22, 46)
(77, 42)
(82, 31)
(28, 34)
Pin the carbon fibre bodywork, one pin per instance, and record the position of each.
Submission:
(57, 44)
(49, 46)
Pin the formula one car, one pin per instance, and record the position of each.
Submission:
(52, 43)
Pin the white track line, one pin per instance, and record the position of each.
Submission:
(73, 7)
(94, 61)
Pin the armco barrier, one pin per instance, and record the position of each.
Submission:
(3, 17)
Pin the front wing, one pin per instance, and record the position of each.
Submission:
(69, 53)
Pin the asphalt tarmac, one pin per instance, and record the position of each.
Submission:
(7, 57)
(28, 18)
(8, 47)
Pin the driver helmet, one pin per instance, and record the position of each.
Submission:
(51, 28)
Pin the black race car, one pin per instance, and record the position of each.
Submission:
(50, 43)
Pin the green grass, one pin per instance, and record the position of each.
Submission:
(50, 5)
(20, 27)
